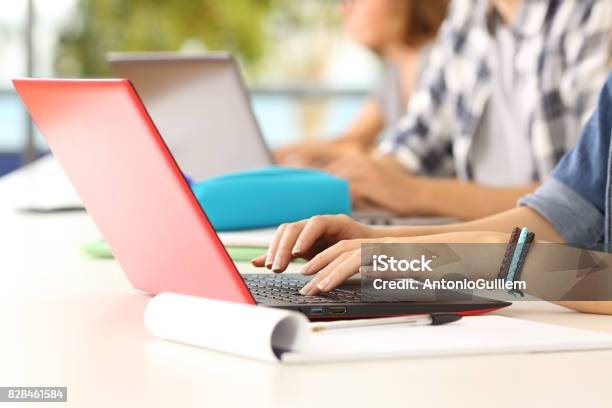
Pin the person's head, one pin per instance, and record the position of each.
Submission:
(378, 24)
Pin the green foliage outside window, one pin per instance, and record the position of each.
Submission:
(101, 26)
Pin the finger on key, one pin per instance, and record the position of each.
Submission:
(283, 252)
(315, 228)
(324, 258)
(273, 245)
(341, 272)
(311, 287)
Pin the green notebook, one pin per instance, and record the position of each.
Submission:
(99, 249)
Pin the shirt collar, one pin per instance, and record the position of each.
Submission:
(530, 19)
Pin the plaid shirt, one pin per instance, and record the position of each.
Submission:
(563, 44)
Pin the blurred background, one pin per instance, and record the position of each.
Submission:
(306, 78)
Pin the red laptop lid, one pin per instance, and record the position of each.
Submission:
(108, 146)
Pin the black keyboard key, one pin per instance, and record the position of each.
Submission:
(285, 288)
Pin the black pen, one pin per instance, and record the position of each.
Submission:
(433, 319)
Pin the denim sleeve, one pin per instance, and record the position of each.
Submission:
(577, 220)
(574, 199)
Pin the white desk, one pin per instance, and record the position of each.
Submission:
(66, 320)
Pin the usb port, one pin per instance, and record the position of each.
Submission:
(337, 310)
(316, 310)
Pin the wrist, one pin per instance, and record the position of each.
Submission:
(373, 233)
(388, 233)
(416, 196)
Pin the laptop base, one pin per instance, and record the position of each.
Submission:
(347, 301)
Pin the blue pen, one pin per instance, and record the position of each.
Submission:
(517, 254)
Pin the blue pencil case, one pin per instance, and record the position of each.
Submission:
(270, 196)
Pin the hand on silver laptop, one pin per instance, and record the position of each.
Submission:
(380, 181)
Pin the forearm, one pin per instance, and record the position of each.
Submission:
(365, 128)
(597, 307)
(502, 222)
(464, 200)
(552, 272)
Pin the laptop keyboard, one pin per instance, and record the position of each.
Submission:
(286, 288)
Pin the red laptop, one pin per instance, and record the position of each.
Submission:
(107, 144)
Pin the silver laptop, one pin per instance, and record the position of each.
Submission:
(199, 103)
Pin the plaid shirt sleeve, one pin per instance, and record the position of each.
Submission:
(580, 48)
(587, 49)
(588, 54)
(422, 141)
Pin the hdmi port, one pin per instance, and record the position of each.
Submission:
(337, 310)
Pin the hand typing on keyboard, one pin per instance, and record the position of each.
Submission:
(332, 244)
